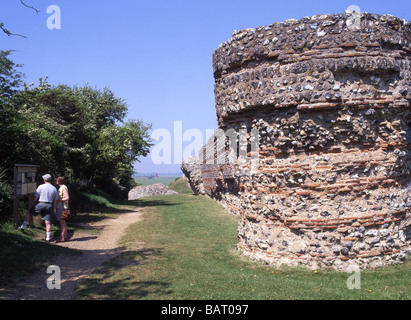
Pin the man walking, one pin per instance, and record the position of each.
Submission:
(47, 196)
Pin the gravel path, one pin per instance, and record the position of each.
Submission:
(96, 248)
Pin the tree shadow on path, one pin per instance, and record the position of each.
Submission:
(124, 286)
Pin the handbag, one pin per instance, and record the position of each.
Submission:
(66, 214)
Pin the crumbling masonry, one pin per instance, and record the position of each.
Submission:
(330, 97)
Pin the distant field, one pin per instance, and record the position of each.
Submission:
(145, 181)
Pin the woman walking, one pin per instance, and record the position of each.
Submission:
(63, 205)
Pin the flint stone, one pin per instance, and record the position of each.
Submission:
(150, 190)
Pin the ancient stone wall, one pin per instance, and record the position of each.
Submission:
(331, 102)
(156, 189)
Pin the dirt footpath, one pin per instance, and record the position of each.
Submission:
(96, 248)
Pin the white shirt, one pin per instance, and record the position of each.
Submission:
(46, 193)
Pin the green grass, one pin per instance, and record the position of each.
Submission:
(96, 207)
(184, 248)
(181, 186)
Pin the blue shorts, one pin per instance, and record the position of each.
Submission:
(44, 209)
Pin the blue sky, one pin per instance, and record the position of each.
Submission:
(157, 55)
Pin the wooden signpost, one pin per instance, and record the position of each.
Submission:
(25, 186)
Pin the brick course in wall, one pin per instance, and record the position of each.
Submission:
(331, 105)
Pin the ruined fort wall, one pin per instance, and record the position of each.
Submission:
(329, 96)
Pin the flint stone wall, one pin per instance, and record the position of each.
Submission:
(149, 190)
(331, 103)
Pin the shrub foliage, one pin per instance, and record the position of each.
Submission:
(79, 132)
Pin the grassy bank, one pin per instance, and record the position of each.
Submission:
(185, 249)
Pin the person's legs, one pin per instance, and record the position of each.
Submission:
(46, 211)
(63, 226)
(48, 230)
(27, 218)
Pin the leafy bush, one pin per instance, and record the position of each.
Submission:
(6, 200)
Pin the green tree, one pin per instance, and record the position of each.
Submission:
(117, 149)
(113, 144)
(11, 128)
(81, 132)
(45, 114)
(10, 76)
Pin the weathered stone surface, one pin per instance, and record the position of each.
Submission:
(314, 60)
(150, 190)
(331, 104)
(192, 172)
